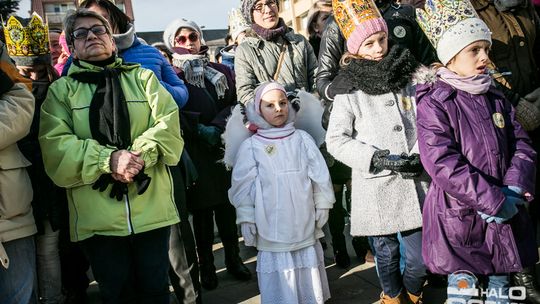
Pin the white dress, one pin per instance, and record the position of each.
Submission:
(278, 181)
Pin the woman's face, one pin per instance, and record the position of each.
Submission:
(92, 42)
(275, 108)
(472, 60)
(266, 14)
(188, 39)
(374, 47)
(319, 22)
(103, 12)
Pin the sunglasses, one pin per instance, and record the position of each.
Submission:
(82, 33)
(183, 39)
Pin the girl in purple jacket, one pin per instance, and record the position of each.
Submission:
(480, 160)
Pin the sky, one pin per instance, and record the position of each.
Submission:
(154, 15)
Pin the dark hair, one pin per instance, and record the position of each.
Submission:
(119, 20)
(69, 22)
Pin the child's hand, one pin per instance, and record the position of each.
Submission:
(321, 217)
(249, 232)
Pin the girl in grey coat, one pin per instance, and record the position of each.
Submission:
(373, 130)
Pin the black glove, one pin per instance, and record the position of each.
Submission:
(416, 167)
(118, 190)
(103, 182)
(143, 181)
(339, 85)
(383, 160)
(5, 83)
(294, 100)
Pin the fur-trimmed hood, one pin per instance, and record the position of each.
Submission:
(424, 79)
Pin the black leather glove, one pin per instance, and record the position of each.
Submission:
(339, 85)
(118, 190)
(383, 160)
(416, 167)
(103, 182)
(143, 181)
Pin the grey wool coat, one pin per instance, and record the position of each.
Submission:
(256, 61)
(361, 124)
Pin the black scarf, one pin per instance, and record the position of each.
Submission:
(391, 74)
(270, 34)
(109, 121)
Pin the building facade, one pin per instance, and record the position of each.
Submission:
(54, 11)
(295, 14)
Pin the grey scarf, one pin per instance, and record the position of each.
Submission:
(196, 69)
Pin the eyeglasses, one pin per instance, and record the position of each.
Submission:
(193, 36)
(82, 33)
(260, 7)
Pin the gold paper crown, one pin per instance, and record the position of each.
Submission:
(440, 15)
(31, 40)
(351, 13)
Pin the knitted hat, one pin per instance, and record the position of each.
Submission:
(170, 32)
(358, 19)
(450, 26)
(264, 88)
(247, 9)
(237, 23)
(27, 40)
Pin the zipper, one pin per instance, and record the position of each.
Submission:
(128, 216)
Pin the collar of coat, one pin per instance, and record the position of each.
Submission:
(391, 74)
(85, 66)
(427, 76)
(290, 36)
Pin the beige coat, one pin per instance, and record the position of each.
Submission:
(16, 219)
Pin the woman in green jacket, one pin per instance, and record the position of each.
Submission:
(108, 131)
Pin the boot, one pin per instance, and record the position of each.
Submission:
(397, 300)
(414, 299)
(360, 245)
(527, 279)
(342, 258)
(234, 263)
(209, 280)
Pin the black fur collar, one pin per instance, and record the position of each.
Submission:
(391, 74)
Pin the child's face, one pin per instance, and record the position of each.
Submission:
(472, 60)
(275, 108)
(374, 47)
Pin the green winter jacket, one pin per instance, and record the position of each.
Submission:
(75, 161)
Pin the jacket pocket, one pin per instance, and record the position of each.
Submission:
(463, 227)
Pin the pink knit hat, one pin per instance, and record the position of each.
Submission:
(363, 31)
(264, 88)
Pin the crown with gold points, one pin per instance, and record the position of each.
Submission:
(451, 25)
(351, 13)
(28, 43)
(358, 20)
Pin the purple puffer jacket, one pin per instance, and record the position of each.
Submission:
(469, 159)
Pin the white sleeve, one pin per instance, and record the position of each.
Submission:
(323, 192)
(242, 191)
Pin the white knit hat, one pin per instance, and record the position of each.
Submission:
(170, 32)
(451, 26)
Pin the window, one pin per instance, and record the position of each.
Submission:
(302, 21)
(286, 4)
